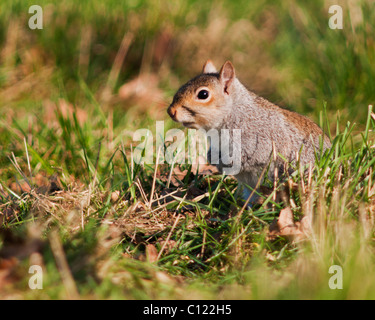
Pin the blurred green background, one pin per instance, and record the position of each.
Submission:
(72, 94)
(283, 50)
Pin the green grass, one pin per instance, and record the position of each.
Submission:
(69, 190)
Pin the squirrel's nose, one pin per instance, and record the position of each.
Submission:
(172, 112)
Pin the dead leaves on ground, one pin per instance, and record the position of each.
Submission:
(151, 253)
(138, 219)
(286, 227)
(39, 183)
(178, 176)
(142, 224)
(36, 186)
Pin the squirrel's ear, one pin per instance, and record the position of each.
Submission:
(209, 67)
(227, 76)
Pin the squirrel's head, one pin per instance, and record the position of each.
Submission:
(205, 100)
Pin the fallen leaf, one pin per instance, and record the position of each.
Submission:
(178, 176)
(20, 187)
(170, 244)
(151, 253)
(286, 219)
(204, 169)
(286, 227)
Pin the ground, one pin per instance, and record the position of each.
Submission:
(99, 226)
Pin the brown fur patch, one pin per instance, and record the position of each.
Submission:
(302, 123)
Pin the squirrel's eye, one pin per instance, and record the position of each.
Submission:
(203, 94)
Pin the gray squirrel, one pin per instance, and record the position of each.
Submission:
(218, 100)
